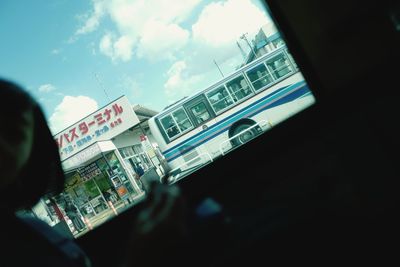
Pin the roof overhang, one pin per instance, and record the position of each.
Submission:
(86, 155)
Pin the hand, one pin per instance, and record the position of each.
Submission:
(160, 227)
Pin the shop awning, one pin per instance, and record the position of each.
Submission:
(89, 153)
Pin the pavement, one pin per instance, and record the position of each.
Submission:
(108, 214)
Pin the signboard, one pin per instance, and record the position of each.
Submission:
(122, 191)
(147, 147)
(89, 171)
(151, 153)
(82, 156)
(105, 123)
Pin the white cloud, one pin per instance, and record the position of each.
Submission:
(46, 88)
(214, 36)
(133, 14)
(153, 28)
(70, 110)
(175, 76)
(179, 83)
(93, 19)
(222, 23)
(173, 11)
(106, 46)
(157, 29)
(123, 48)
(116, 49)
(160, 40)
(149, 27)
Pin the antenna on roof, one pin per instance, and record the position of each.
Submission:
(101, 85)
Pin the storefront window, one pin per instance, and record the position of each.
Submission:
(135, 156)
(95, 197)
(119, 177)
(98, 191)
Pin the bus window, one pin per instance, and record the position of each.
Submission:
(259, 77)
(176, 123)
(239, 88)
(169, 126)
(279, 66)
(200, 113)
(220, 99)
(182, 120)
(293, 64)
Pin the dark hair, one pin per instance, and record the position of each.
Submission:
(43, 173)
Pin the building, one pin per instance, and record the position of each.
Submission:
(107, 157)
(267, 39)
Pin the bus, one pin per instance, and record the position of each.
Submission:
(231, 112)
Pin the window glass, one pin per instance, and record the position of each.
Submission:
(220, 99)
(170, 126)
(259, 76)
(291, 59)
(92, 190)
(176, 123)
(200, 112)
(279, 66)
(239, 88)
(135, 157)
(182, 119)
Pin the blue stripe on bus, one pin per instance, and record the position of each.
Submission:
(191, 144)
(232, 115)
(194, 141)
(307, 94)
(279, 97)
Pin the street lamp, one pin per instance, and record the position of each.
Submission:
(248, 43)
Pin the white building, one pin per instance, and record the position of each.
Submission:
(103, 155)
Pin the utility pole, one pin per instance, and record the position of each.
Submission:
(219, 68)
(241, 51)
(248, 43)
(101, 85)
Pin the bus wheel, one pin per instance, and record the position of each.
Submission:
(245, 136)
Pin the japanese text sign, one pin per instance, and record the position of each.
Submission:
(103, 124)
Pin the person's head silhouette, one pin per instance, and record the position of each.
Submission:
(29, 160)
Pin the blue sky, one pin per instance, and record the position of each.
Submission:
(76, 56)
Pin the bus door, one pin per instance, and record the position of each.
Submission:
(202, 116)
(200, 112)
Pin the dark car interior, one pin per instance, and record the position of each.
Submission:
(320, 183)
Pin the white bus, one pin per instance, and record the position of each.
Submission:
(232, 111)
